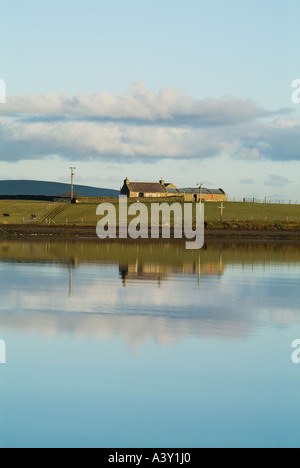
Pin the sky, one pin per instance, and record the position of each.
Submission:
(191, 91)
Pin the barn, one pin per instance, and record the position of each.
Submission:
(193, 194)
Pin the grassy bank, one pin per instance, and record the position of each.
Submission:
(236, 216)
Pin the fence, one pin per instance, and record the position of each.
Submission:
(264, 201)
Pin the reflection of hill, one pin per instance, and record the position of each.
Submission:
(164, 254)
(149, 262)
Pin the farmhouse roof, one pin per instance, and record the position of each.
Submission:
(216, 191)
(146, 187)
(173, 190)
(205, 191)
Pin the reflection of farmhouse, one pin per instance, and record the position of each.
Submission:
(151, 271)
(141, 272)
(162, 190)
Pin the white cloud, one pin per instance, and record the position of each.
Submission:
(138, 104)
(143, 124)
(250, 154)
(277, 181)
(247, 181)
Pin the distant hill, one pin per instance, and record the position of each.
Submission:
(33, 187)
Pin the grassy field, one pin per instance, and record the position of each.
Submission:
(33, 212)
(22, 211)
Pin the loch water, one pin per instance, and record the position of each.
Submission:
(149, 345)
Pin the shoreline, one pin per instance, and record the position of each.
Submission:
(75, 233)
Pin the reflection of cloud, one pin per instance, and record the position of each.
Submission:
(134, 330)
(35, 298)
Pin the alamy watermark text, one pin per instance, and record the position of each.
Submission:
(2, 92)
(2, 352)
(152, 220)
(296, 93)
(296, 353)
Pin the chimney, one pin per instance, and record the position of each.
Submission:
(126, 181)
(162, 182)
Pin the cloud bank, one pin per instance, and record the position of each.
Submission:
(145, 125)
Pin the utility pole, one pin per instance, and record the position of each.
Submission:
(70, 279)
(200, 191)
(72, 182)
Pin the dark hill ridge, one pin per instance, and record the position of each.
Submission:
(52, 189)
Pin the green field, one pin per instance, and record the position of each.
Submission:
(34, 212)
(20, 212)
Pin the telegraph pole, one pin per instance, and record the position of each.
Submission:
(200, 190)
(200, 187)
(72, 182)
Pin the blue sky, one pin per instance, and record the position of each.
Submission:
(193, 91)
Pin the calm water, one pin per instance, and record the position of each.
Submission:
(149, 346)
